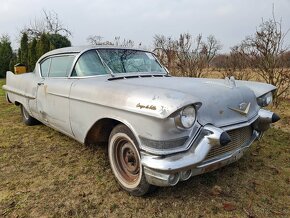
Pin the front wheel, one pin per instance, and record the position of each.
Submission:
(125, 161)
(27, 119)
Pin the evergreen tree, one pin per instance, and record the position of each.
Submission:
(43, 45)
(19, 55)
(5, 55)
(58, 41)
(13, 61)
(32, 56)
(24, 49)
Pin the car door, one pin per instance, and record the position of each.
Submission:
(53, 92)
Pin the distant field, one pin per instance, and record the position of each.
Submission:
(44, 173)
(248, 74)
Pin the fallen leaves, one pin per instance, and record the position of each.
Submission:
(274, 169)
(228, 206)
(216, 190)
(277, 213)
(249, 213)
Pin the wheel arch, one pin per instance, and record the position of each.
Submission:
(17, 103)
(100, 131)
(7, 98)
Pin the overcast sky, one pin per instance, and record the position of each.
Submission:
(139, 20)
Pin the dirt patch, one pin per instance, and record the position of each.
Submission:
(44, 173)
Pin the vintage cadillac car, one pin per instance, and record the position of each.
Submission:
(159, 129)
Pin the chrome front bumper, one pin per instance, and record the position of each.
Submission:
(170, 169)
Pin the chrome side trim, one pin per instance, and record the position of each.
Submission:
(164, 144)
(59, 95)
(86, 77)
(17, 92)
(194, 133)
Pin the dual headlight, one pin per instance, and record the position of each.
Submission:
(186, 118)
(265, 100)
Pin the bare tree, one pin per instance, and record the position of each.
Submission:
(210, 48)
(98, 40)
(286, 59)
(50, 24)
(264, 50)
(186, 56)
(165, 49)
(236, 65)
(195, 56)
(124, 42)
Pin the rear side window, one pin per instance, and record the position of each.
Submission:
(44, 66)
(60, 66)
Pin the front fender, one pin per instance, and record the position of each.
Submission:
(257, 87)
(155, 102)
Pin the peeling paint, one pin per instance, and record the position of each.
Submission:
(155, 97)
(163, 110)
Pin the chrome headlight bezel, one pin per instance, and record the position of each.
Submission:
(186, 117)
(265, 100)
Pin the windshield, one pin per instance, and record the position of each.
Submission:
(129, 61)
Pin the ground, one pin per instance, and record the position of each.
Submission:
(44, 173)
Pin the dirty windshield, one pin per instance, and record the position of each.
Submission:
(130, 61)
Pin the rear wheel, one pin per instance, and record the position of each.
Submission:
(126, 162)
(27, 119)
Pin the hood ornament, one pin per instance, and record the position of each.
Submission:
(231, 81)
(243, 109)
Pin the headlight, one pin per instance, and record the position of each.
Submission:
(186, 118)
(265, 100)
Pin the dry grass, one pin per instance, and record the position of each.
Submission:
(46, 174)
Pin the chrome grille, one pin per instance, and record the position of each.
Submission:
(238, 136)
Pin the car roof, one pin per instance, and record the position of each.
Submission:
(78, 49)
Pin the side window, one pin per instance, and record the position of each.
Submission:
(89, 64)
(60, 66)
(44, 67)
